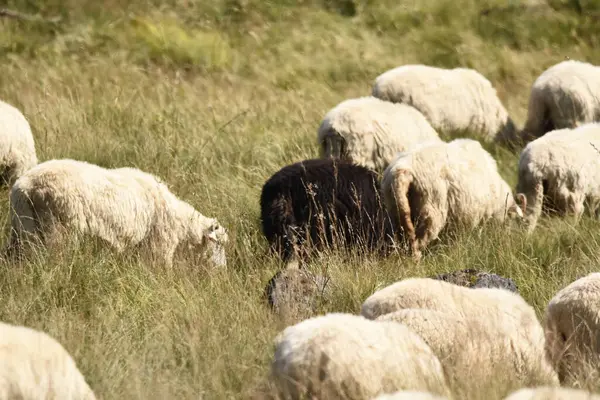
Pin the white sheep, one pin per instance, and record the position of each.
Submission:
(346, 356)
(410, 395)
(499, 308)
(572, 325)
(454, 101)
(17, 152)
(560, 172)
(495, 357)
(440, 187)
(565, 95)
(496, 304)
(36, 366)
(552, 393)
(124, 207)
(370, 131)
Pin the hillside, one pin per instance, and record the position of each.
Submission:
(214, 97)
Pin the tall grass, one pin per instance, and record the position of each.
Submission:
(214, 97)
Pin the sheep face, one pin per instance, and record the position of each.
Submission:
(216, 239)
(516, 211)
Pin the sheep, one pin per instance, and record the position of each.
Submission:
(477, 279)
(410, 395)
(294, 294)
(552, 393)
(322, 200)
(346, 356)
(440, 187)
(444, 296)
(36, 366)
(124, 207)
(496, 358)
(498, 306)
(453, 100)
(559, 173)
(16, 141)
(572, 326)
(565, 95)
(370, 131)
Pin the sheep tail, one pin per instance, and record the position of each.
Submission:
(400, 186)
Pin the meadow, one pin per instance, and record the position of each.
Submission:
(214, 96)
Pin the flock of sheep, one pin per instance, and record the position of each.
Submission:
(433, 338)
(421, 334)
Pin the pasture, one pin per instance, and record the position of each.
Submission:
(216, 96)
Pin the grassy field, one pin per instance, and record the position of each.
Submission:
(214, 97)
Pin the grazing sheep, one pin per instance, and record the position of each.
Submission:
(453, 100)
(440, 187)
(565, 95)
(478, 279)
(572, 324)
(294, 294)
(560, 172)
(16, 141)
(343, 356)
(410, 395)
(498, 305)
(322, 200)
(36, 366)
(124, 207)
(369, 131)
(552, 393)
(496, 358)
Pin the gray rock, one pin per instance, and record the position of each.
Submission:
(296, 293)
(473, 278)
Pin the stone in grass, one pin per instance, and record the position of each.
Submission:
(473, 278)
(296, 293)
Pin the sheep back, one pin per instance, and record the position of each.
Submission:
(36, 366)
(17, 146)
(563, 96)
(371, 131)
(346, 356)
(454, 101)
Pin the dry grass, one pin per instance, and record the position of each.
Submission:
(214, 97)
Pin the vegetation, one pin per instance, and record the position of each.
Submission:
(214, 97)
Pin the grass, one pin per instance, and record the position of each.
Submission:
(214, 97)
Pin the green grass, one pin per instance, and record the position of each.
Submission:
(214, 97)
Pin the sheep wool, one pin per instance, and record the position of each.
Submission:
(369, 131)
(346, 356)
(315, 204)
(572, 325)
(552, 393)
(36, 366)
(560, 172)
(445, 186)
(433, 294)
(496, 358)
(563, 96)
(124, 207)
(453, 100)
(17, 152)
(410, 395)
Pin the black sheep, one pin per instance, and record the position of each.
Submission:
(323, 200)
